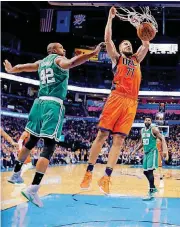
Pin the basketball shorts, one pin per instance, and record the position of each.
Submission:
(150, 160)
(118, 114)
(46, 119)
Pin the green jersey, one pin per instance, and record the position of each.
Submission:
(53, 79)
(149, 140)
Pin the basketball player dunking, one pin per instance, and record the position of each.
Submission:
(120, 108)
(47, 113)
(160, 161)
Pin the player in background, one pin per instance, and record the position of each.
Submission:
(168, 173)
(47, 113)
(8, 138)
(159, 119)
(149, 136)
(120, 109)
(160, 161)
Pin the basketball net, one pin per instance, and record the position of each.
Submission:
(136, 18)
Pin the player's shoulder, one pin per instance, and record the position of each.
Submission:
(154, 128)
(142, 129)
(134, 57)
(59, 58)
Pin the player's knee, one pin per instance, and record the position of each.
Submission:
(31, 142)
(118, 140)
(102, 136)
(49, 148)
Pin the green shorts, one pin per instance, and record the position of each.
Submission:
(46, 119)
(150, 160)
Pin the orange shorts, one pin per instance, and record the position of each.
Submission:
(118, 114)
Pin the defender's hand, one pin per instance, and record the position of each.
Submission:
(8, 66)
(98, 48)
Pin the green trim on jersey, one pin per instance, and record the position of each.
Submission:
(53, 79)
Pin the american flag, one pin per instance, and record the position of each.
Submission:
(46, 16)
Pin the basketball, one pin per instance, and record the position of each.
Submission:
(146, 31)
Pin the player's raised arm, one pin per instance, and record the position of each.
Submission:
(77, 60)
(29, 67)
(111, 49)
(142, 51)
(158, 135)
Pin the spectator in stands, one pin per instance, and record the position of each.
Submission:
(78, 139)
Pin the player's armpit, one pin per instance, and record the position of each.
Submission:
(112, 52)
(142, 51)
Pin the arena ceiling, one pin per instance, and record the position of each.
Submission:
(21, 20)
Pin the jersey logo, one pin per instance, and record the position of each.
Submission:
(129, 62)
(130, 67)
(146, 134)
(47, 64)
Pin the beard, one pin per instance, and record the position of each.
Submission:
(128, 54)
(147, 125)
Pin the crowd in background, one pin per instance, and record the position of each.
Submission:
(140, 116)
(78, 138)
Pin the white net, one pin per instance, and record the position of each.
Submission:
(136, 18)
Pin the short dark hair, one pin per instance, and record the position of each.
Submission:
(50, 48)
(148, 117)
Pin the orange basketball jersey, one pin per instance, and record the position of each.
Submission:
(127, 76)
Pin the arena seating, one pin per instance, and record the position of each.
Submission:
(79, 136)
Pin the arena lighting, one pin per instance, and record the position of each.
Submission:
(163, 48)
(86, 89)
(115, 3)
